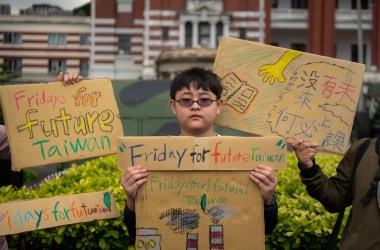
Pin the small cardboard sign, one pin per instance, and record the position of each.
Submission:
(52, 123)
(270, 90)
(198, 194)
(29, 215)
(201, 153)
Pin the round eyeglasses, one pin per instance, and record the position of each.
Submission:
(187, 102)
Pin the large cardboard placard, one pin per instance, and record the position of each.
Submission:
(29, 215)
(198, 194)
(275, 91)
(52, 123)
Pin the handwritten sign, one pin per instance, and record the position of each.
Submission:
(52, 123)
(275, 91)
(198, 194)
(29, 215)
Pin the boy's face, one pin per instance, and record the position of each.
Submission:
(196, 120)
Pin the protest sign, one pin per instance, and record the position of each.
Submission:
(52, 123)
(270, 90)
(29, 215)
(198, 194)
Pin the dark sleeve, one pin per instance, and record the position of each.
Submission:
(270, 216)
(331, 192)
(130, 222)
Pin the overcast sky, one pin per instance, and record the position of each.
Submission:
(23, 4)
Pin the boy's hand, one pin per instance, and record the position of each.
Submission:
(69, 78)
(305, 152)
(266, 179)
(131, 180)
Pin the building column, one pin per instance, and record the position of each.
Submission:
(321, 33)
(226, 28)
(195, 34)
(213, 34)
(182, 33)
(376, 35)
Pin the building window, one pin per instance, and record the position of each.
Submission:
(299, 4)
(12, 38)
(56, 39)
(165, 34)
(5, 9)
(364, 4)
(219, 32)
(188, 34)
(83, 67)
(124, 44)
(56, 66)
(83, 39)
(204, 34)
(243, 33)
(13, 65)
(274, 4)
(298, 46)
(355, 53)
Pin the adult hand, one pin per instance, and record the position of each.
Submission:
(266, 179)
(69, 78)
(305, 152)
(131, 180)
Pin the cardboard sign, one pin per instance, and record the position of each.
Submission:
(52, 123)
(29, 215)
(275, 91)
(198, 194)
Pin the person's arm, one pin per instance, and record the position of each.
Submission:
(330, 192)
(130, 222)
(131, 180)
(271, 215)
(266, 180)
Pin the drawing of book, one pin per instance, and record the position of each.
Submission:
(237, 94)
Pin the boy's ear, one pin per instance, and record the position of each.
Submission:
(171, 104)
(220, 104)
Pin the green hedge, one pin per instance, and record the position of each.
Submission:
(303, 222)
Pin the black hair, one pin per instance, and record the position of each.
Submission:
(200, 77)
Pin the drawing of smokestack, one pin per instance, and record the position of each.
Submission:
(216, 237)
(192, 242)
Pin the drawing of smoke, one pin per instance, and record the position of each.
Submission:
(237, 94)
(180, 220)
(219, 212)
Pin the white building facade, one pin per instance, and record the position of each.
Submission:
(123, 38)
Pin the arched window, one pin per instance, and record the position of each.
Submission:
(204, 34)
(219, 32)
(188, 34)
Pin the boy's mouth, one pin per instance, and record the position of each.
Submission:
(195, 116)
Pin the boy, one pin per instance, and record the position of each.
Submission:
(195, 101)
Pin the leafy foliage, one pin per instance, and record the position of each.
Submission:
(84, 10)
(303, 222)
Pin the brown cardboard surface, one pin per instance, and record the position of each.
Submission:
(195, 201)
(275, 91)
(29, 215)
(52, 123)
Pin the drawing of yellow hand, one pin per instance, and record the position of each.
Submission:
(275, 71)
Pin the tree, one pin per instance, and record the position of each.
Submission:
(84, 10)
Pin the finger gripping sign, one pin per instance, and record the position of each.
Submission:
(276, 91)
(53, 123)
(198, 194)
(29, 215)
